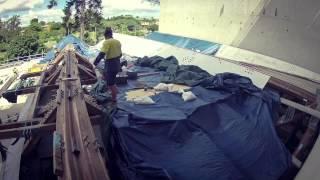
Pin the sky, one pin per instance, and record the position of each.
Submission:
(29, 9)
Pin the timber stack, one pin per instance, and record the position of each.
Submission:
(59, 105)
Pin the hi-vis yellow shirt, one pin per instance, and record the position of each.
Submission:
(112, 48)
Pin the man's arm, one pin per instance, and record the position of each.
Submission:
(100, 56)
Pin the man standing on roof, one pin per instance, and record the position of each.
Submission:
(111, 52)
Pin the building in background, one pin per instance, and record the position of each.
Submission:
(286, 30)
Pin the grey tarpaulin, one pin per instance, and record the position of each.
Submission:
(157, 62)
(226, 133)
(99, 92)
(173, 73)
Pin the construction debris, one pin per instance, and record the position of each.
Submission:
(60, 105)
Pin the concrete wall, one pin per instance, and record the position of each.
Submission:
(285, 29)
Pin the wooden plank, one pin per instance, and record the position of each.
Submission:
(82, 60)
(300, 107)
(310, 168)
(303, 83)
(88, 81)
(34, 130)
(291, 89)
(27, 75)
(52, 79)
(309, 135)
(20, 124)
(296, 162)
(94, 120)
(92, 106)
(29, 145)
(82, 158)
(86, 71)
(90, 70)
(27, 90)
(58, 59)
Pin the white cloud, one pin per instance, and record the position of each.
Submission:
(18, 5)
(43, 15)
(128, 5)
(29, 9)
(136, 7)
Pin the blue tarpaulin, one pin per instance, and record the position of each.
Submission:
(202, 46)
(226, 133)
(80, 46)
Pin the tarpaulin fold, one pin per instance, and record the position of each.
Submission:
(226, 133)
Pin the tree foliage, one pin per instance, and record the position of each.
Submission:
(55, 25)
(88, 14)
(52, 3)
(9, 28)
(39, 35)
(153, 27)
(35, 25)
(156, 2)
(24, 45)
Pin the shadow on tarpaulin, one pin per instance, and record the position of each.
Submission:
(81, 47)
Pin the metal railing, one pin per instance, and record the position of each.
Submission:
(21, 59)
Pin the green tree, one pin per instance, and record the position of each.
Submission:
(34, 25)
(86, 11)
(131, 27)
(9, 29)
(52, 3)
(14, 23)
(155, 2)
(153, 27)
(55, 26)
(34, 21)
(42, 23)
(2, 29)
(24, 45)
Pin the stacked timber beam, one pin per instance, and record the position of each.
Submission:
(76, 150)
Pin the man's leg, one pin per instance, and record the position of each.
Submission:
(114, 92)
(111, 82)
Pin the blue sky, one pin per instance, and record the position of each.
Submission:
(29, 9)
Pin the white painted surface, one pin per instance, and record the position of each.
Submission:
(11, 167)
(136, 46)
(284, 29)
(310, 169)
(241, 55)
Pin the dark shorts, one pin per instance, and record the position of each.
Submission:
(110, 77)
(111, 69)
